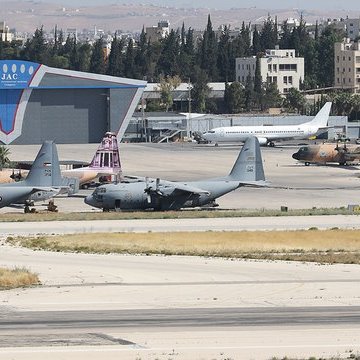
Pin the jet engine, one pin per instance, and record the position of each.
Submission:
(262, 141)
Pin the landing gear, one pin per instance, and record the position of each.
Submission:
(216, 144)
(307, 163)
(52, 207)
(271, 144)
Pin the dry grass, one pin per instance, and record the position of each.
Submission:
(18, 277)
(184, 214)
(331, 246)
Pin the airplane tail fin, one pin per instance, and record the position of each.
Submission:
(322, 117)
(107, 156)
(45, 170)
(248, 167)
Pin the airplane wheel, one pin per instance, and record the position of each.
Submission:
(216, 144)
(307, 164)
(271, 144)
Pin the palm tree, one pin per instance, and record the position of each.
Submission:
(4, 159)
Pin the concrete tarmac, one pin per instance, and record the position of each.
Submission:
(292, 184)
(297, 309)
(161, 307)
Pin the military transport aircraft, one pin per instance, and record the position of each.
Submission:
(267, 134)
(43, 181)
(106, 162)
(160, 194)
(328, 153)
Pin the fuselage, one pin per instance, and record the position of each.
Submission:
(327, 153)
(134, 196)
(265, 134)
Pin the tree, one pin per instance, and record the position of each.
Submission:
(168, 61)
(268, 35)
(200, 90)
(224, 63)
(35, 48)
(208, 52)
(97, 60)
(234, 97)
(326, 55)
(129, 62)
(294, 100)
(187, 53)
(141, 61)
(166, 86)
(271, 96)
(258, 88)
(256, 44)
(84, 54)
(249, 93)
(115, 61)
(4, 156)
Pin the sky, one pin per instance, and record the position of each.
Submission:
(226, 4)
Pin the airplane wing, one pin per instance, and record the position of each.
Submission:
(184, 188)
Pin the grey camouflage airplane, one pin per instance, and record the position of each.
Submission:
(158, 194)
(43, 181)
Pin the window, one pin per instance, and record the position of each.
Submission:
(338, 80)
(349, 58)
(337, 70)
(275, 67)
(349, 69)
(290, 80)
(343, 58)
(337, 59)
(269, 67)
(243, 79)
(288, 67)
(285, 80)
(275, 79)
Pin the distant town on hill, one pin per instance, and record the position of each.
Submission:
(25, 16)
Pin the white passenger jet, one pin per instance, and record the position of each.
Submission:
(267, 134)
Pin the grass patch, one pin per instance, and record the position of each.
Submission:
(183, 214)
(18, 277)
(328, 246)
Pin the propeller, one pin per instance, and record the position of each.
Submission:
(149, 189)
(17, 177)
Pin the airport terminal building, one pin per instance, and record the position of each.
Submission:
(40, 103)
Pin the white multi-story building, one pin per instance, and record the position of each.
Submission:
(347, 66)
(352, 28)
(279, 66)
(156, 33)
(5, 33)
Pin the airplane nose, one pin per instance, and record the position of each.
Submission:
(296, 156)
(89, 200)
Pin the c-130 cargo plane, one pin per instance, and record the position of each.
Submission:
(43, 182)
(158, 194)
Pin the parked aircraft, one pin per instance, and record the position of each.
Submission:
(267, 134)
(106, 162)
(43, 181)
(328, 153)
(158, 194)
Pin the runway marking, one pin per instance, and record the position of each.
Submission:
(196, 283)
(110, 348)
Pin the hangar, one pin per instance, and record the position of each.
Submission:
(40, 103)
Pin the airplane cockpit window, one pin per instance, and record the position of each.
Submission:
(304, 149)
